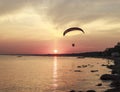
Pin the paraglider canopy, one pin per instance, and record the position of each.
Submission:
(72, 29)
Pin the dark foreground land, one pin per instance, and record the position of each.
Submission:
(114, 76)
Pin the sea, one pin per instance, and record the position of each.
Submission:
(52, 74)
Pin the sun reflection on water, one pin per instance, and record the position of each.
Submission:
(55, 75)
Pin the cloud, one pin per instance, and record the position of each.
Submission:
(83, 11)
(66, 11)
(9, 6)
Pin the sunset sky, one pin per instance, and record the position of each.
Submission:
(37, 26)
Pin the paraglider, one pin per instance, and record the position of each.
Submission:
(72, 29)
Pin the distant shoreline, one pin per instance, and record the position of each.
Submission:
(86, 54)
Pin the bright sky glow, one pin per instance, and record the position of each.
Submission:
(55, 51)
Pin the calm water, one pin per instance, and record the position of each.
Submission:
(51, 74)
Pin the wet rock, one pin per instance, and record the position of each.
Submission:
(104, 65)
(114, 72)
(78, 66)
(111, 66)
(72, 91)
(115, 84)
(84, 66)
(113, 90)
(110, 77)
(100, 84)
(94, 70)
(91, 91)
(77, 71)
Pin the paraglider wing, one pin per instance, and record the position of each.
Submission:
(72, 29)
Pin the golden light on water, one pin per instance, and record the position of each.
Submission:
(55, 64)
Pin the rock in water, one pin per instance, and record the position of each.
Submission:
(91, 91)
(72, 91)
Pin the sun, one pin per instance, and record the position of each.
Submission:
(55, 51)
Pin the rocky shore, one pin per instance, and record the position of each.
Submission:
(114, 76)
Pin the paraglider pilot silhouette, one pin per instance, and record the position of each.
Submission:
(72, 29)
